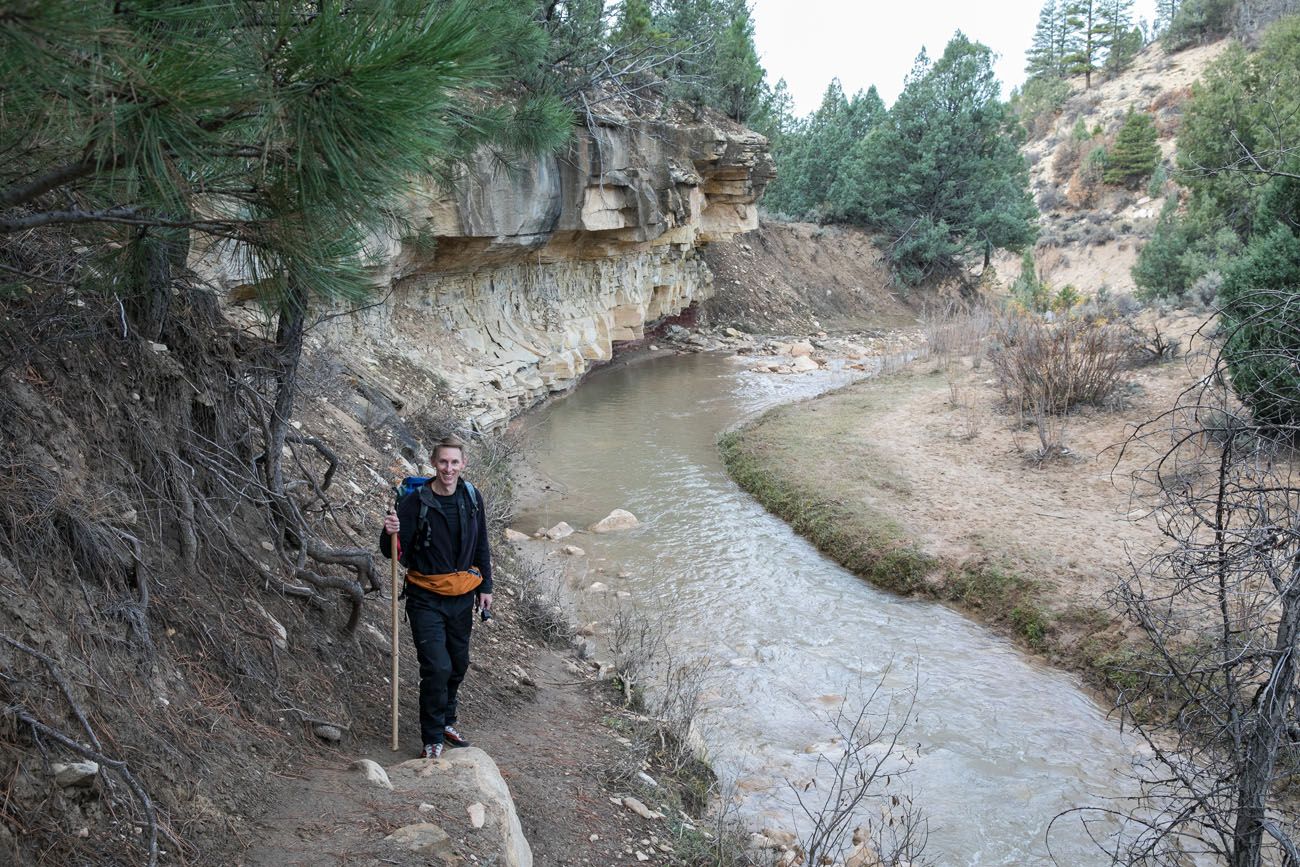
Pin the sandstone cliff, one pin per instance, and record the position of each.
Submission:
(513, 285)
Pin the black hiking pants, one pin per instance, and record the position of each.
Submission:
(440, 626)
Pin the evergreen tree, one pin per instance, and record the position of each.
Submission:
(802, 166)
(1198, 22)
(1261, 315)
(941, 173)
(635, 23)
(776, 118)
(1119, 39)
(1045, 58)
(283, 132)
(1135, 154)
(1165, 12)
(737, 87)
(716, 61)
(1236, 159)
(1083, 39)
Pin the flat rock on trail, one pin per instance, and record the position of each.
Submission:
(549, 750)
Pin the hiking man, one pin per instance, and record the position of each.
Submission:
(442, 530)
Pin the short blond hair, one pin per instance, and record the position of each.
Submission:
(448, 442)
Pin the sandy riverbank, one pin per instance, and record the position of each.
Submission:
(921, 481)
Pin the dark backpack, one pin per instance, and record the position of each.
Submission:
(412, 484)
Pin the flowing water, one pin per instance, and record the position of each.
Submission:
(999, 744)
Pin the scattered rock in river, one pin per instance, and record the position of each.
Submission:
(574, 551)
(782, 838)
(516, 536)
(804, 364)
(560, 531)
(619, 519)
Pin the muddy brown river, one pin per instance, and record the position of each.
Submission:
(998, 743)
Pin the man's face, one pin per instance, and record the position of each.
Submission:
(448, 463)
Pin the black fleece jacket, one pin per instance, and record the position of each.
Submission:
(435, 557)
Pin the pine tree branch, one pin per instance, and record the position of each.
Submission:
(121, 214)
(21, 193)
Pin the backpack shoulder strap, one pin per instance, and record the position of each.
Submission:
(474, 499)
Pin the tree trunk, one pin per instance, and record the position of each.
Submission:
(161, 252)
(288, 351)
(1261, 743)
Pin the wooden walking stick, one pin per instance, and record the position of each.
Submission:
(395, 548)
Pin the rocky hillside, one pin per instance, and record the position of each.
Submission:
(801, 278)
(1090, 232)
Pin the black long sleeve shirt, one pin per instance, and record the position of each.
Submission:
(436, 556)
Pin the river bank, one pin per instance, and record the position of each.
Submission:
(923, 483)
(788, 637)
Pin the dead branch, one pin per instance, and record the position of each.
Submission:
(323, 450)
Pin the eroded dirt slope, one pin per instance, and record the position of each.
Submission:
(799, 278)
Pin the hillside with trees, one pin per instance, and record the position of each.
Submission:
(938, 175)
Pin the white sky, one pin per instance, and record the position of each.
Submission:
(809, 42)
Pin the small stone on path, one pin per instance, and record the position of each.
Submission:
(373, 773)
(327, 732)
(641, 809)
(424, 838)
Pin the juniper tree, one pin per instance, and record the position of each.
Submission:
(814, 155)
(941, 174)
(1135, 153)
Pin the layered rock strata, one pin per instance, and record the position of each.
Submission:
(511, 287)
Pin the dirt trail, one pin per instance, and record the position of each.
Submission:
(548, 740)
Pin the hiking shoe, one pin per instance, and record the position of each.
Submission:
(454, 737)
(431, 751)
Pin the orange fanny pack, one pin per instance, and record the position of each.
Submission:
(448, 583)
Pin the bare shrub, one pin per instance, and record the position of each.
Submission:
(1056, 366)
(854, 812)
(957, 332)
(1150, 345)
(1219, 607)
(1205, 291)
(1068, 156)
(635, 643)
(1050, 198)
(543, 606)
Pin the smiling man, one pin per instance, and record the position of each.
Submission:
(442, 531)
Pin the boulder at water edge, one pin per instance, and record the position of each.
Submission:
(559, 531)
(618, 519)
